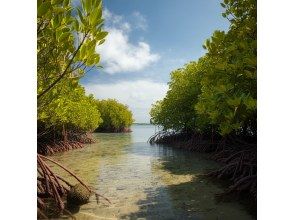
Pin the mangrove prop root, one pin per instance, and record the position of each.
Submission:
(50, 185)
(65, 181)
(41, 214)
(51, 141)
(97, 195)
(60, 146)
(236, 154)
(240, 167)
(67, 170)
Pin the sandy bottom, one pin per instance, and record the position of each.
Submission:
(146, 182)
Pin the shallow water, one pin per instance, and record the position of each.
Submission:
(146, 182)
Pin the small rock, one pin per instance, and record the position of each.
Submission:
(78, 195)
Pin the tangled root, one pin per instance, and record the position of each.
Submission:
(60, 146)
(53, 187)
(240, 167)
(238, 156)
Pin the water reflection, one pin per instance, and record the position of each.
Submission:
(148, 182)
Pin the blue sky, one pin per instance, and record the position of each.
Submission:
(147, 40)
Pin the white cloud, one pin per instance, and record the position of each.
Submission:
(141, 22)
(118, 54)
(138, 95)
(113, 20)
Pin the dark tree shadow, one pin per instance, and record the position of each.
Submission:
(190, 198)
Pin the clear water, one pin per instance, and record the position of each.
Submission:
(146, 182)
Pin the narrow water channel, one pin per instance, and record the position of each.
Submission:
(146, 182)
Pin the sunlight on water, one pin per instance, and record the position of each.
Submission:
(146, 182)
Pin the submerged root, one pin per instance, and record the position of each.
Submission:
(52, 142)
(60, 146)
(55, 188)
(240, 167)
(189, 141)
(237, 155)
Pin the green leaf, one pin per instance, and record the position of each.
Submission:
(83, 51)
(97, 58)
(101, 35)
(86, 5)
(250, 103)
(101, 42)
(236, 126)
(56, 2)
(59, 10)
(220, 66)
(95, 17)
(44, 8)
(250, 74)
(39, 2)
(66, 2)
(55, 22)
(81, 16)
(64, 36)
(65, 29)
(225, 129)
(234, 101)
(76, 25)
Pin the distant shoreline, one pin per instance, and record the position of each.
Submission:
(141, 124)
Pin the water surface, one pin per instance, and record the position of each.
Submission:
(146, 182)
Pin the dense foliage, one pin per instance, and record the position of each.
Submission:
(219, 90)
(116, 116)
(67, 36)
(73, 109)
(176, 111)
